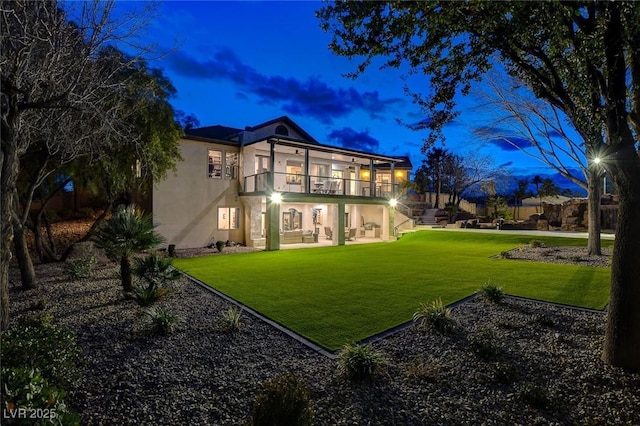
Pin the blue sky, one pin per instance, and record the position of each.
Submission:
(243, 63)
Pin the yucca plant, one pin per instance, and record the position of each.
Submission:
(231, 319)
(163, 321)
(434, 315)
(359, 362)
(127, 232)
(491, 293)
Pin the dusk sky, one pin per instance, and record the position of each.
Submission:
(243, 63)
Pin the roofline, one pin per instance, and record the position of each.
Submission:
(297, 143)
(289, 121)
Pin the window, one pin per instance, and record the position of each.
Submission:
(292, 220)
(282, 130)
(294, 172)
(228, 218)
(215, 164)
(320, 170)
(231, 165)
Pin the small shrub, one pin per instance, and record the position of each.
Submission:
(360, 362)
(157, 274)
(424, 368)
(482, 343)
(171, 250)
(506, 254)
(536, 244)
(80, 268)
(434, 315)
(283, 400)
(535, 395)
(544, 320)
(220, 245)
(491, 293)
(36, 319)
(231, 320)
(35, 343)
(40, 304)
(503, 372)
(163, 321)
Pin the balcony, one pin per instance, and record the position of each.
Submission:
(316, 185)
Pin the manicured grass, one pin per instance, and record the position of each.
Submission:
(336, 295)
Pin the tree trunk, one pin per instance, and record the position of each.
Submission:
(27, 274)
(125, 274)
(622, 339)
(593, 208)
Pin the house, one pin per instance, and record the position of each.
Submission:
(273, 184)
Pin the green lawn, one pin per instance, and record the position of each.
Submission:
(335, 295)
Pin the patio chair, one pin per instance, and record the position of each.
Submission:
(328, 233)
(350, 235)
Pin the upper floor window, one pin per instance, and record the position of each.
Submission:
(282, 130)
(294, 172)
(215, 163)
(223, 164)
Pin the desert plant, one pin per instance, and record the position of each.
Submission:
(434, 315)
(127, 232)
(163, 321)
(148, 295)
(282, 401)
(535, 395)
(40, 304)
(506, 254)
(491, 293)
(359, 362)
(544, 320)
(220, 245)
(156, 273)
(425, 368)
(231, 320)
(482, 343)
(80, 268)
(536, 243)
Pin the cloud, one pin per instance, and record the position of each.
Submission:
(349, 138)
(311, 97)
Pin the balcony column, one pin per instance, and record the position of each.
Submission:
(272, 219)
(272, 166)
(372, 179)
(307, 176)
(393, 180)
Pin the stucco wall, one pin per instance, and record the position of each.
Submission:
(185, 205)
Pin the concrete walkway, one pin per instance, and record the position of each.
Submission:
(567, 234)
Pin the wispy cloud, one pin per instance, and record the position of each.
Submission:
(311, 97)
(349, 138)
(502, 138)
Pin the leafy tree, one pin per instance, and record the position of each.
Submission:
(126, 233)
(549, 188)
(54, 92)
(581, 57)
(435, 161)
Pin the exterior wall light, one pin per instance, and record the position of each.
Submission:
(276, 197)
(393, 202)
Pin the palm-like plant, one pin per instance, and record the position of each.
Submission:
(127, 232)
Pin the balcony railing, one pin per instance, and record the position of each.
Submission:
(319, 185)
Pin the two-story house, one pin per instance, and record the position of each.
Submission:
(275, 184)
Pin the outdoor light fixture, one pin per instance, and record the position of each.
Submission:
(393, 202)
(597, 160)
(276, 197)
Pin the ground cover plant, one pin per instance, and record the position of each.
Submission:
(335, 295)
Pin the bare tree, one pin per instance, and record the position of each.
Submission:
(555, 142)
(54, 84)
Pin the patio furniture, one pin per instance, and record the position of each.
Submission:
(350, 235)
(328, 233)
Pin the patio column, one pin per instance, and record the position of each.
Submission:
(307, 177)
(341, 224)
(372, 179)
(272, 219)
(393, 180)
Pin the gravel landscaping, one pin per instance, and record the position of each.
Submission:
(520, 362)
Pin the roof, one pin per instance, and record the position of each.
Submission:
(214, 132)
(404, 163)
(291, 123)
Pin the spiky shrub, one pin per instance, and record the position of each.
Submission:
(491, 293)
(155, 275)
(483, 343)
(536, 244)
(359, 362)
(434, 315)
(230, 320)
(127, 232)
(163, 321)
(80, 268)
(281, 401)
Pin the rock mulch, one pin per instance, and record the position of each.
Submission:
(541, 364)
